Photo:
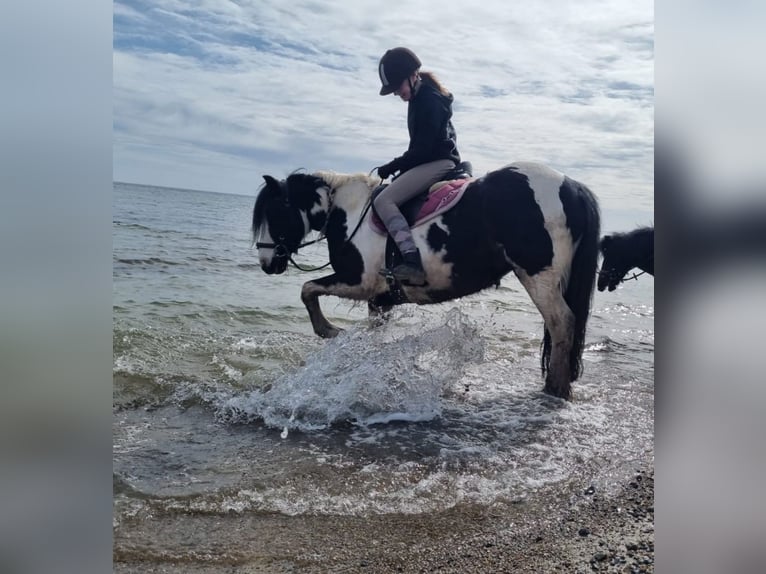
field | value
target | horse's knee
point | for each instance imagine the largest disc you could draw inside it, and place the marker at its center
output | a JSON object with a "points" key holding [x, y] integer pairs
{"points": [[308, 292]]}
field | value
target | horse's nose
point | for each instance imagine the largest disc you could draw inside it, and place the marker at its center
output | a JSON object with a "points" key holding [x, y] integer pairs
{"points": [[274, 266], [268, 268]]}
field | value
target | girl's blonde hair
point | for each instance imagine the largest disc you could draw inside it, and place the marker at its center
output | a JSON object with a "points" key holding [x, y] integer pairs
{"points": [[432, 78]]}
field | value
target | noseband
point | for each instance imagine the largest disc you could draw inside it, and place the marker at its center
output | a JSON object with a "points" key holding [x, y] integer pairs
{"points": [[281, 251]]}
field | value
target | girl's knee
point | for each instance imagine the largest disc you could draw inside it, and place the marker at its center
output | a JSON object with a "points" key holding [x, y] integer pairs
{"points": [[380, 201]]}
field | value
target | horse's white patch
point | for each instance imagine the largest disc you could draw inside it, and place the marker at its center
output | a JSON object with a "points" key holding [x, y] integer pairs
{"points": [[372, 248], [546, 183], [438, 272], [324, 201], [265, 254]]}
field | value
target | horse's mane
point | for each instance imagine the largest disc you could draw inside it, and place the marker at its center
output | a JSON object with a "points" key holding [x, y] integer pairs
{"points": [[274, 189], [637, 234], [647, 230], [259, 210], [335, 180]]}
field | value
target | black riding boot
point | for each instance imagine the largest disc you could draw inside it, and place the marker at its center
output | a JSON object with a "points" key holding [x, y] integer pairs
{"points": [[411, 271]]}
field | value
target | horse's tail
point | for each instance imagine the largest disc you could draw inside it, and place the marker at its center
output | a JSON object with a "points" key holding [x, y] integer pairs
{"points": [[582, 277], [585, 226]]}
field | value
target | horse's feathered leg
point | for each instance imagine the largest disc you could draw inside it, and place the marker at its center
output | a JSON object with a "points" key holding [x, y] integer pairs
{"points": [[545, 290], [381, 304], [377, 308], [310, 296]]}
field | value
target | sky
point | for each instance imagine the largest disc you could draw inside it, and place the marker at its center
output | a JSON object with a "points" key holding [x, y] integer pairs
{"points": [[213, 94]]}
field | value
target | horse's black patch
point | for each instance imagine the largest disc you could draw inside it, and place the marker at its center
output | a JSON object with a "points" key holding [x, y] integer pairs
{"points": [[344, 257], [436, 237], [515, 219], [577, 201], [302, 193]]}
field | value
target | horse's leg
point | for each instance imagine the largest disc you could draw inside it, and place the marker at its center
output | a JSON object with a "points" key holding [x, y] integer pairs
{"points": [[310, 296], [378, 306], [545, 291]]}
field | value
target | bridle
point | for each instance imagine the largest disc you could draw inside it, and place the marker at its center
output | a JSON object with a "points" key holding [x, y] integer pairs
{"points": [[634, 276], [281, 250]]}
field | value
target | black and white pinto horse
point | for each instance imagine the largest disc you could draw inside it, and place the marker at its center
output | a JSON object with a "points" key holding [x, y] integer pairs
{"points": [[623, 252], [525, 218]]}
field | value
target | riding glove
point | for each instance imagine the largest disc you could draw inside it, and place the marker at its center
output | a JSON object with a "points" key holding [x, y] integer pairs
{"points": [[384, 171]]}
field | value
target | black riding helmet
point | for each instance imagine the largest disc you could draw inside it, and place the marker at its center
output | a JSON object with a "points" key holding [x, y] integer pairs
{"points": [[396, 65]]}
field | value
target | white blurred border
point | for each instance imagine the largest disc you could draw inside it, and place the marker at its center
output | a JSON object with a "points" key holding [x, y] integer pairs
{"points": [[55, 286], [711, 248]]}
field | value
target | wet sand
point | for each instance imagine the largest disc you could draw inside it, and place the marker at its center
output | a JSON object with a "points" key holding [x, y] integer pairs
{"points": [[569, 528]]}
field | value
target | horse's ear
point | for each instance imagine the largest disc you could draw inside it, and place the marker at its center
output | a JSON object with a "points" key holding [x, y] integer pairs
{"points": [[605, 242], [270, 181]]}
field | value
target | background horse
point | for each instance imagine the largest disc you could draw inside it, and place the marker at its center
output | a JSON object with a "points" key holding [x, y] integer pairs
{"points": [[623, 252], [525, 218]]}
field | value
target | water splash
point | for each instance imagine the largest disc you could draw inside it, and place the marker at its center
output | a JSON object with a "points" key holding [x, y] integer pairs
{"points": [[368, 376]]}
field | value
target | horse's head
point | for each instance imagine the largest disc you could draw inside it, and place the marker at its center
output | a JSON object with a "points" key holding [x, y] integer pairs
{"points": [[614, 266], [284, 213]]}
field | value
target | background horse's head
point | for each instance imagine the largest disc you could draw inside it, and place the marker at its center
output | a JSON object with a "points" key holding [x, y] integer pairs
{"points": [[624, 251], [284, 213], [614, 266]]}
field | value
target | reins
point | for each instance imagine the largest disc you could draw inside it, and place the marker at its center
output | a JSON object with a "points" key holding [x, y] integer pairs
{"points": [[637, 275], [281, 251], [634, 276]]}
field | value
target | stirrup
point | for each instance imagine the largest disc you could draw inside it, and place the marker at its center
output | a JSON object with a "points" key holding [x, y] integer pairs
{"points": [[405, 272], [393, 280]]}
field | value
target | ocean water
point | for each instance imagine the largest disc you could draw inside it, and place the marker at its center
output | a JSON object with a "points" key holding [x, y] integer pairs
{"points": [[226, 402]]}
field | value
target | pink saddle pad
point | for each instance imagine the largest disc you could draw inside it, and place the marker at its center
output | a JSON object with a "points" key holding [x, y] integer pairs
{"points": [[442, 199]]}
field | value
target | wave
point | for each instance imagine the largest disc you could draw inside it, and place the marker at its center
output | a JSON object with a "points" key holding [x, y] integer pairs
{"points": [[147, 261]]}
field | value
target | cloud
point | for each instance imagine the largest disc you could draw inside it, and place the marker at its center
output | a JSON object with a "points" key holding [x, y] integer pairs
{"points": [[207, 94]]}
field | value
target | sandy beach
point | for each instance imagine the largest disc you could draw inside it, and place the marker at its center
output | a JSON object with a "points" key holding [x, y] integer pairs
{"points": [[562, 529]]}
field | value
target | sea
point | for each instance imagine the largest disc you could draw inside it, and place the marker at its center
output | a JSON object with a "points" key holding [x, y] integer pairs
{"points": [[224, 400]]}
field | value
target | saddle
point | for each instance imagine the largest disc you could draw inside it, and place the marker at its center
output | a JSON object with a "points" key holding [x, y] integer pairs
{"points": [[437, 199]]}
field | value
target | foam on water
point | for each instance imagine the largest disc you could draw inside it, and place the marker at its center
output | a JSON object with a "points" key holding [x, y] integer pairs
{"points": [[478, 428], [376, 375]]}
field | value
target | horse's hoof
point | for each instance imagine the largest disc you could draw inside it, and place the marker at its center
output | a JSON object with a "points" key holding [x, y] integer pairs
{"points": [[558, 391], [330, 333], [377, 320]]}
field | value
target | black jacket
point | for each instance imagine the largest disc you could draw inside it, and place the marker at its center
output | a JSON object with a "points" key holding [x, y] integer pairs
{"points": [[432, 135]]}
